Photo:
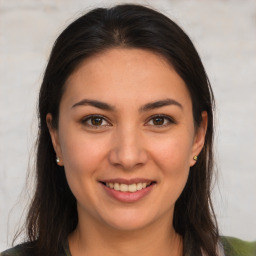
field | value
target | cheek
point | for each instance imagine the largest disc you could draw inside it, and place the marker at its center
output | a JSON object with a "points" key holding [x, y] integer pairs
{"points": [[173, 154], [81, 151], [173, 159], [81, 161], [175, 165], [82, 157]]}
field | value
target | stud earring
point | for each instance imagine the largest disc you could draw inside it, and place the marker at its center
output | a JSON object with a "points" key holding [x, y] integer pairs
{"points": [[57, 160], [195, 158]]}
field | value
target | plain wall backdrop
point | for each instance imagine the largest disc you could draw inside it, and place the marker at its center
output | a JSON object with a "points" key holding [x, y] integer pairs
{"points": [[224, 33]]}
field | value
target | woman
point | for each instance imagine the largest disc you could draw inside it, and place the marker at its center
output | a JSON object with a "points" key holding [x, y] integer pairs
{"points": [[124, 160]]}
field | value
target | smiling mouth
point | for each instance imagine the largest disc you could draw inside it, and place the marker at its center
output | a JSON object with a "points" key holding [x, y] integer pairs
{"points": [[128, 187]]}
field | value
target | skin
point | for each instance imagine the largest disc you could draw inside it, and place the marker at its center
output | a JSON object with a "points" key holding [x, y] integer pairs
{"points": [[128, 143]]}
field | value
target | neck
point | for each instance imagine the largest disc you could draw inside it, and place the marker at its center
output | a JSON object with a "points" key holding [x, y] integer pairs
{"points": [[156, 239]]}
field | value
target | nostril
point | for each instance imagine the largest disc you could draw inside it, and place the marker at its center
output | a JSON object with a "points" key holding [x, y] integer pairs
{"points": [[127, 159]]}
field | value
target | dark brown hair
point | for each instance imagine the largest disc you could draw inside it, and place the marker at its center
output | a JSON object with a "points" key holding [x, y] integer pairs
{"points": [[52, 214]]}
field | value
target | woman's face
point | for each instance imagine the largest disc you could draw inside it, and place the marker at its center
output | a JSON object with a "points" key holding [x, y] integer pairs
{"points": [[126, 138]]}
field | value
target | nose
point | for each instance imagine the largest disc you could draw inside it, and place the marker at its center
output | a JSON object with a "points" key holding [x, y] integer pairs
{"points": [[128, 150]]}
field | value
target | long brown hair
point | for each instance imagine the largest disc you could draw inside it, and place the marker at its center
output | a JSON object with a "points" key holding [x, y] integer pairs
{"points": [[52, 214]]}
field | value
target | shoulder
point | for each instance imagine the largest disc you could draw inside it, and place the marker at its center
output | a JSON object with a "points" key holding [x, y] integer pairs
{"points": [[236, 247], [25, 249], [28, 249]]}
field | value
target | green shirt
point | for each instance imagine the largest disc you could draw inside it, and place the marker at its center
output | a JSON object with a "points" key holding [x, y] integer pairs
{"points": [[236, 247], [232, 247]]}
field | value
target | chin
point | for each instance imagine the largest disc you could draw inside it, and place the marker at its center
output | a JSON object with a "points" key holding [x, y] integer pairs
{"points": [[129, 225], [128, 221]]}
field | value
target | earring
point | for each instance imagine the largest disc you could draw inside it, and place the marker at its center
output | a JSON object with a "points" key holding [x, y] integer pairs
{"points": [[195, 158], [57, 160]]}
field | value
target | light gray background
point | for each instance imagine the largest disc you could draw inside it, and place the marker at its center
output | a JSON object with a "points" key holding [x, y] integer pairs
{"points": [[224, 33]]}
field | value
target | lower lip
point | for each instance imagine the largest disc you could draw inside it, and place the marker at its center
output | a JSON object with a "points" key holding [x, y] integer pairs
{"points": [[128, 197]]}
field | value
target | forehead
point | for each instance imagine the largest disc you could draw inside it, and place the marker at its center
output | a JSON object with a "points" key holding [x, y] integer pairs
{"points": [[128, 74]]}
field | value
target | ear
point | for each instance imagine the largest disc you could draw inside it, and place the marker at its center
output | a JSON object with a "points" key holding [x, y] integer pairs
{"points": [[199, 138], [55, 138]]}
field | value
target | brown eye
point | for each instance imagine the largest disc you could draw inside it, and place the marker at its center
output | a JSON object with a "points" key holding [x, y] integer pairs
{"points": [[96, 120], [158, 120]]}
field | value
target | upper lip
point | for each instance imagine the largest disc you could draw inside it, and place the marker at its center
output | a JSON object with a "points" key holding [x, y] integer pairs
{"points": [[127, 181]]}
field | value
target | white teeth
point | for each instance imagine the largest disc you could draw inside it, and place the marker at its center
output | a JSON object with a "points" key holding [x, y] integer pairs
{"points": [[127, 188], [132, 188], [139, 186], [123, 187], [116, 186]]}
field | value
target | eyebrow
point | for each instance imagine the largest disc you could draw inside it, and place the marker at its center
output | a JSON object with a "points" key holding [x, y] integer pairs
{"points": [[144, 108], [95, 103], [159, 104]]}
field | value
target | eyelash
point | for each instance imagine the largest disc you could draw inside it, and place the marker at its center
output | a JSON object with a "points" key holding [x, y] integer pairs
{"points": [[165, 117], [104, 119], [89, 118]]}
